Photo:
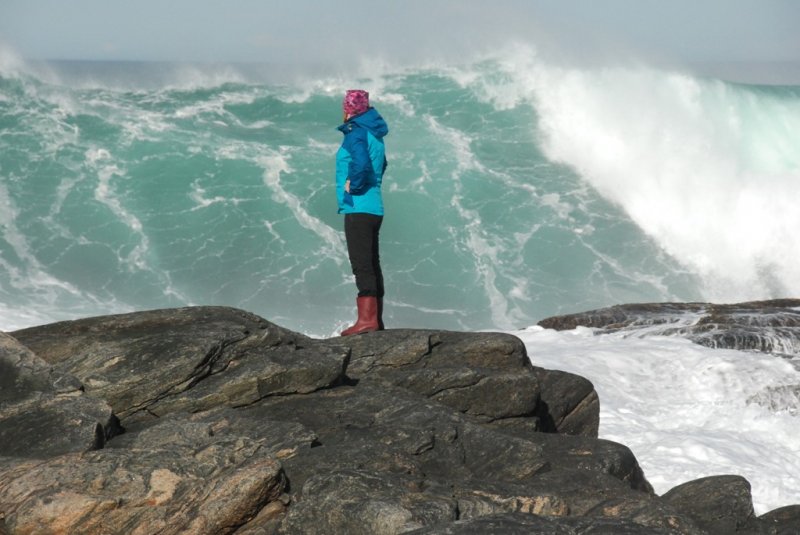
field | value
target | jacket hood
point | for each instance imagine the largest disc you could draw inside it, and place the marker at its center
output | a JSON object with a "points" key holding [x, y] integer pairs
{"points": [[371, 120]]}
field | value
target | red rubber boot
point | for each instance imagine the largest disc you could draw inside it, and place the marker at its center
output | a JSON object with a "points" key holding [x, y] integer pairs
{"points": [[367, 316]]}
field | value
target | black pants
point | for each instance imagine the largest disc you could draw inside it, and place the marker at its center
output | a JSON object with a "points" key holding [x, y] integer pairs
{"points": [[361, 232]]}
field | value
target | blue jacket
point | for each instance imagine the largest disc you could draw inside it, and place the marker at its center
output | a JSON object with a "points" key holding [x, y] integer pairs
{"points": [[362, 159]]}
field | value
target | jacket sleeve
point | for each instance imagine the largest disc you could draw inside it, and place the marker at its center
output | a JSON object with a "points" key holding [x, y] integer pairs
{"points": [[360, 171]]}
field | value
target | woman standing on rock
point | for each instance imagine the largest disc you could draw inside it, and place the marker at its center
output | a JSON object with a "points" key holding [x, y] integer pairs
{"points": [[360, 164]]}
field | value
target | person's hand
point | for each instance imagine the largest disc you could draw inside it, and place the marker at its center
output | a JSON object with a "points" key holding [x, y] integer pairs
{"points": [[347, 185]]}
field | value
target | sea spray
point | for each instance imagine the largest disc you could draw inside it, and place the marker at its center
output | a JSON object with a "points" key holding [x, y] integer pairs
{"points": [[687, 411], [706, 168]]}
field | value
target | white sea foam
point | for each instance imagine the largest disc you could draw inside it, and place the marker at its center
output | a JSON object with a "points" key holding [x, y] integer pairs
{"points": [[11, 64], [102, 163], [710, 170], [198, 195], [276, 163], [478, 242], [216, 106], [418, 184], [687, 411], [32, 276], [188, 77]]}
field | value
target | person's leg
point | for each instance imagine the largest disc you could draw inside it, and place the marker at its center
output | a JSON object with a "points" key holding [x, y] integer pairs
{"points": [[376, 256], [376, 269], [361, 236], [359, 233]]}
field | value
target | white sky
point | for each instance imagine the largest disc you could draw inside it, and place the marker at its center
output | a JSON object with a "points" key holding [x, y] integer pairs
{"points": [[322, 31]]}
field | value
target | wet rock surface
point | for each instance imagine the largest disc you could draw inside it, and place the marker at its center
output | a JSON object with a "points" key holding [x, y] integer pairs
{"points": [[212, 420], [44, 412], [770, 326]]}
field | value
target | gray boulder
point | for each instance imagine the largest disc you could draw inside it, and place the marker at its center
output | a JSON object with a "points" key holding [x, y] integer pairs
{"points": [[782, 521], [486, 375], [44, 412], [768, 326], [149, 364], [361, 502], [212, 487], [431, 453], [720, 505], [525, 524]]}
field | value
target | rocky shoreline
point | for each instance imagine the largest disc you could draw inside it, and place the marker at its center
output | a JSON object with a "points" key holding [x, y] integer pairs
{"points": [[212, 420]]}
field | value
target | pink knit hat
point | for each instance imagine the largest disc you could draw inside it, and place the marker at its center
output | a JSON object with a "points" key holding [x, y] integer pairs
{"points": [[355, 101]]}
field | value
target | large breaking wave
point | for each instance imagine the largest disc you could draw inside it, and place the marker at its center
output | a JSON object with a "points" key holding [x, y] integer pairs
{"points": [[517, 189]]}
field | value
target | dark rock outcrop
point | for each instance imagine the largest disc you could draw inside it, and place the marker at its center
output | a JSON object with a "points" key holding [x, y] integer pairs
{"points": [[718, 504], [44, 412], [235, 425], [782, 521], [486, 375], [150, 364], [211, 488], [769, 326]]}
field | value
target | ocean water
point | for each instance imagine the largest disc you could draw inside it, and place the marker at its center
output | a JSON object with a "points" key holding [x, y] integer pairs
{"points": [[687, 411], [517, 189]]}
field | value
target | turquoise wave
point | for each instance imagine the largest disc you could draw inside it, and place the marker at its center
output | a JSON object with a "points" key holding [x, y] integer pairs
{"points": [[513, 192]]}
